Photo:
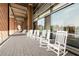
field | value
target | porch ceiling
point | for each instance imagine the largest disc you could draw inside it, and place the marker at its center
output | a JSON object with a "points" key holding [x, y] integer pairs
{"points": [[19, 10]]}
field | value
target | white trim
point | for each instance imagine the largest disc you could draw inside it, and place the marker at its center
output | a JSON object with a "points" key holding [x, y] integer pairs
{"points": [[73, 49], [38, 13]]}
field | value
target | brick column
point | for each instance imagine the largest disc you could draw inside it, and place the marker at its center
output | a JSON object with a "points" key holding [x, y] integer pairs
{"points": [[29, 16]]}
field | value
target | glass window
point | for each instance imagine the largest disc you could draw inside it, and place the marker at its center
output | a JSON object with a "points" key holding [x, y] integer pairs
{"points": [[40, 23], [67, 19]]}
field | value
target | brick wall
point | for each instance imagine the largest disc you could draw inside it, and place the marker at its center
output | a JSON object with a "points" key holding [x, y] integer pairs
{"points": [[3, 22]]}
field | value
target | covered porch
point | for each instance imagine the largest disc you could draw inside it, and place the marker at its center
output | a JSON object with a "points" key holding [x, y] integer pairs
{"points": [[21, 45]]}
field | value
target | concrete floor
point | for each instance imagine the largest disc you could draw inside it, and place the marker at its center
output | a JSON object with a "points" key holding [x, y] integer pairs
{"points": [[20, 45]]}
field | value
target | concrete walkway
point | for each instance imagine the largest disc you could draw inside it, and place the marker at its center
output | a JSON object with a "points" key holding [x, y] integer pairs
{"points": [[20, 45]]}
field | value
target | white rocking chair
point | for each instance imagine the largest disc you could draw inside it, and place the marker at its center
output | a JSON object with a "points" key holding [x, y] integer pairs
{"points": [[59, 47], [29, 33], [44, 40], [24, 31], [37, 34], [34, 34]]}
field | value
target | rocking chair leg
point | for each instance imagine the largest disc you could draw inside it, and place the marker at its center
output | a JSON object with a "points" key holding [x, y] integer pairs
{"points": [[65, 53], [58, 53], [48, 48], [40, 44]]}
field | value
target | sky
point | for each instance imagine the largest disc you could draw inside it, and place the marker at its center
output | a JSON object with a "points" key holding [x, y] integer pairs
{"points": [[66, 16]]}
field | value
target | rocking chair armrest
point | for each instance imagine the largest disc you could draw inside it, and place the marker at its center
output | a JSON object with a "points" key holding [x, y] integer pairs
{"points": [[41, 38], [49, 40], [58, 43], [59, 46]]}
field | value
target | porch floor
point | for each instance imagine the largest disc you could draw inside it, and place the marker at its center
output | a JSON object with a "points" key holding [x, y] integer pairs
{"points": [[20, 45]]}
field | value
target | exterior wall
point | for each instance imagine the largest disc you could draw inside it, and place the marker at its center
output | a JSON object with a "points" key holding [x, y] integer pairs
{"points": [[3, 22], [47, 22], [35, 26], [12, 26]]}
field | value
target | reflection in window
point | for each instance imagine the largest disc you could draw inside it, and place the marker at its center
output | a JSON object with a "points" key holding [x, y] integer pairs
{"points": [[67, 19], [41, 23]]}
